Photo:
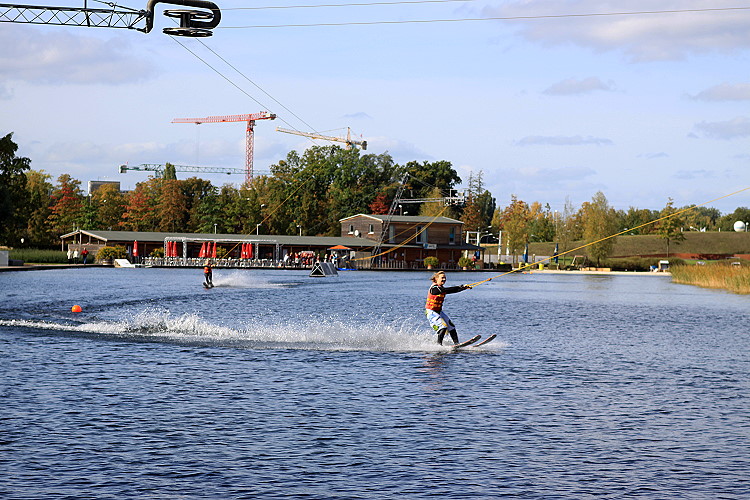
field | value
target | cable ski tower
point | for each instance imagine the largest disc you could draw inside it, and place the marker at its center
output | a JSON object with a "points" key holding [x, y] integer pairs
{"points": [[193, 23]]}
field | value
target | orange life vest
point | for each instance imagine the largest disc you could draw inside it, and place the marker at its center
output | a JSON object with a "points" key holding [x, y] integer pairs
{"points": [[206, 270], [435, 302]]}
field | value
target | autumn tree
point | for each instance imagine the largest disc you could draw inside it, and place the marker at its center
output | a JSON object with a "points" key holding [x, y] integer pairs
{"points": [[380, 205], [514, 223], [109, 204], [171, 206], [140, 207], [67, 204]]}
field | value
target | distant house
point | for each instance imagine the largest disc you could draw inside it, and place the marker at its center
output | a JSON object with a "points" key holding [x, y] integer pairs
{"points": [[410, 238]]}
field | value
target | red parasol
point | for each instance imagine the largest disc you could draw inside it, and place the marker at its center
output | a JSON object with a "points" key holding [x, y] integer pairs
{"points": [[135, 248]]}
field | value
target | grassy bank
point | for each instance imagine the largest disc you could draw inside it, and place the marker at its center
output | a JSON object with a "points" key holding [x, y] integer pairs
{"points": [[725, 276], [695, 242]]}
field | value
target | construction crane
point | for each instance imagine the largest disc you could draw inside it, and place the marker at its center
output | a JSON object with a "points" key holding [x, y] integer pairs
{"points": [[158, 169], [348, 139], [193, 23], [249, 139]]}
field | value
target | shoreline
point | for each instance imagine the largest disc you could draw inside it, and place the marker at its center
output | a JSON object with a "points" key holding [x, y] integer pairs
{"points": [[42, 267]]}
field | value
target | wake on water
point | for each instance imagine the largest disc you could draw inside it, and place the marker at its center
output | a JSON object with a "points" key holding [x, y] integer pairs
{"points": [[243, 279], [329, 334]]}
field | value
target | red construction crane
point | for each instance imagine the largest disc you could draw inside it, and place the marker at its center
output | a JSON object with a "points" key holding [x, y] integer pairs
{"points": [[249, 141]]}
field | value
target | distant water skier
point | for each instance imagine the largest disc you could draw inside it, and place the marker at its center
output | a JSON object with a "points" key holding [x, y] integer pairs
{"points": [[208, 275], [440, 321]]}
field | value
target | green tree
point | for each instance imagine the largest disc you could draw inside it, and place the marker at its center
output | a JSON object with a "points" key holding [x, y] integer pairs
{"points": [[38, 230], [14, 197], [170, 173], [195, 190], [541, 222], [480, 205], [726, 223], [670, 228], [566, 226], [425, 176], [634, 218], [599, 221], [700, 218]]}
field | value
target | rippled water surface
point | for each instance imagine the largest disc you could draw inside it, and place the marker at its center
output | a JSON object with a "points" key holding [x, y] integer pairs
{"points": [[277, 385]]}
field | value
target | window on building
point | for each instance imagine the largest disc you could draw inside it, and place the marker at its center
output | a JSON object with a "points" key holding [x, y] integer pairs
{"points": [[452, 236], [372, 228], [391, 234], [351, 229], [421, 234]]}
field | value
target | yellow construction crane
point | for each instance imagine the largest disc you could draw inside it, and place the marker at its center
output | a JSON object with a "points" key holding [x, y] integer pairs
{"points": [[348, 139]]}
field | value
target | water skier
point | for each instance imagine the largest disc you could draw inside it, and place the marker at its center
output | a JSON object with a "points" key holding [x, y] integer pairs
{"points": [[208, 275], [440, 321]]}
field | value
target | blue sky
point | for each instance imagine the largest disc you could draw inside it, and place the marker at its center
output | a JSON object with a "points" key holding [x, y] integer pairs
{"points": [[641, 107]]}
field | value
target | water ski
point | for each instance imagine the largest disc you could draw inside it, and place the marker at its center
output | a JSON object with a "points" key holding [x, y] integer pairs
{"points": [[467, 342], [485, 341], [208, 285]]}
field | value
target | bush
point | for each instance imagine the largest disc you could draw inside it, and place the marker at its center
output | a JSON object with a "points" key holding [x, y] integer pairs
{"points": [[465, 262], [431, 261], [39, 256], [111, 253], [157, 253]]}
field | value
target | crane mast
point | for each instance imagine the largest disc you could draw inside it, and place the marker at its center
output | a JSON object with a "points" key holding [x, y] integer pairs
{"points": [[249, 139], [348, 139]]}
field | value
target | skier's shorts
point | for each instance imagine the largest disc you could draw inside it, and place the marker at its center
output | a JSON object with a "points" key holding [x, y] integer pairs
{"points": [[439, 320]]}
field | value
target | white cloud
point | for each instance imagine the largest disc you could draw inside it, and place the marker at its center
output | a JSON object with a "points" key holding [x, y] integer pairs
{"points": [[654, 156], [54, 57], [559, 140], [643, 37], [730, 129], [401, 151], [695, 174], [725, 92], [360, 115], [571, 86]]}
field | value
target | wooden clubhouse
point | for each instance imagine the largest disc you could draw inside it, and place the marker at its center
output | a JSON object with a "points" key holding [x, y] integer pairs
{"points": [[408, 240]]}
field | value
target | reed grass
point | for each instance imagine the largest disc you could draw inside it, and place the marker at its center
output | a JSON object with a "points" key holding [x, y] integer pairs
{"points": [[38, 256], [735, 278]]}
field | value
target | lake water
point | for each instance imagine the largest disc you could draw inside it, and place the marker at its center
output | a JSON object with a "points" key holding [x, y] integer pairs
{"points": [[277, 385]]}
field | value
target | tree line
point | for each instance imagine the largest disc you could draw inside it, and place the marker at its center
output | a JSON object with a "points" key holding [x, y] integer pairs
{"points": [[308, 194]]}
